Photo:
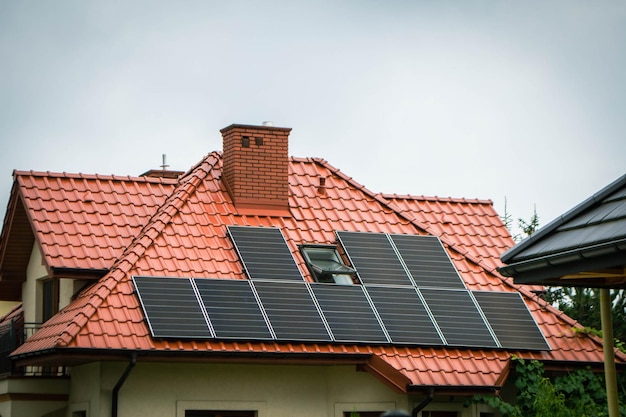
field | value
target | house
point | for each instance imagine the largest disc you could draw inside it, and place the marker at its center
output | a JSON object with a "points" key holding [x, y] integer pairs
{"points": [[258, 284]]}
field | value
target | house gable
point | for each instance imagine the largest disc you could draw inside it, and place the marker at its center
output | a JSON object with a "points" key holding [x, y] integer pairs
{"points": [[16, 243]]}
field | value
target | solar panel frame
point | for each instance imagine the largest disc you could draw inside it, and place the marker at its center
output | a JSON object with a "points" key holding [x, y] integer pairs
{"points": [[264, 253], [171, 308], [233, 309], [460, 327], [427, 261], [511, 320], [349, 313], [374, 257], [405, 317], [292, 311]]}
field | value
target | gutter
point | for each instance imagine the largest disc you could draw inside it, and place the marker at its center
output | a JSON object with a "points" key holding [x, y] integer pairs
{"points": [[555, 265], [120, 382]]}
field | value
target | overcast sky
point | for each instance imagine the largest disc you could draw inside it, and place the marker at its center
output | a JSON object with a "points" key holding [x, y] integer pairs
{"points": [[477, 99]]}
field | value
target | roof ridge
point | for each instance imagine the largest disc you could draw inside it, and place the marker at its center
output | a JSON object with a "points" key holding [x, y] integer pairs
{"points": [[141, 242], [440, 199], [80, 175]]}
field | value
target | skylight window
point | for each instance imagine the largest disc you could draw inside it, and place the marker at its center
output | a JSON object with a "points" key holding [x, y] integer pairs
{"points": [[326, 265]]}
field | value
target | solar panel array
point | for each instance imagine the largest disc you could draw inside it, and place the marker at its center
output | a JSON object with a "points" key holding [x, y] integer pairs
{"points": [[411, 294]]}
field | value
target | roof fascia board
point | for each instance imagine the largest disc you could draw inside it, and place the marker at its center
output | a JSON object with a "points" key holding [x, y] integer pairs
{"points": [[386, 373], [538, 270], [75, 356], [16, 203], [567, 216], [8, 221]]}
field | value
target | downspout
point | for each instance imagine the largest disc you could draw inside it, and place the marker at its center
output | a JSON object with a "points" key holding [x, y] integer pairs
{"points": [[423, 404], [118, 386]]}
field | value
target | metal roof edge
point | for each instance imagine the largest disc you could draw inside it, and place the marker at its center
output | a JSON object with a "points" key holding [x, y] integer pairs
{"points": [[566, 261], [596, 198]]}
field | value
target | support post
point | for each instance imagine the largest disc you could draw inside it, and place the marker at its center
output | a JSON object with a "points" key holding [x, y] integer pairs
{"points": [[609, 354]]}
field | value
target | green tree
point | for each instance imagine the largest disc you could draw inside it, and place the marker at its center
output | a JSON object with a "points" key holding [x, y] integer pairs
{"points": [[583, 304], [529, 227], [579, 393]]}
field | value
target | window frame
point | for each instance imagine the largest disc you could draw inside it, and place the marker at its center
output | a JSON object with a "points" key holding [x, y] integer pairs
{"points": [[359, 407], [50, 292], [325, 275], [256, 407]]}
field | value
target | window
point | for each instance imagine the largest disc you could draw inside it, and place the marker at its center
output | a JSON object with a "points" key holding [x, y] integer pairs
{"points": [[50, 299], [213, 413], [326, 265]]}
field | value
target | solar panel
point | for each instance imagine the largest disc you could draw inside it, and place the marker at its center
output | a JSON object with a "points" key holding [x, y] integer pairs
{"points": [[374, 258], [458, 318], [264, 253], [232, 309], [427, 261], [291, 311], [403, 315], [171, 308], [510, 320], [348, 313]]}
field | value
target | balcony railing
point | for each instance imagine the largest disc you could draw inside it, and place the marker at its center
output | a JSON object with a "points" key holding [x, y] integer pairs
{"points": [[12, 335]]}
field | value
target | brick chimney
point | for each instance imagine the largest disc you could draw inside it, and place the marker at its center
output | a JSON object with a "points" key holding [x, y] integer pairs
{"points": [[256, 168]]}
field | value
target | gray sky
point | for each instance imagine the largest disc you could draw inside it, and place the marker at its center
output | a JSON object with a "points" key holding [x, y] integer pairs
{"points": [[476, 99]]}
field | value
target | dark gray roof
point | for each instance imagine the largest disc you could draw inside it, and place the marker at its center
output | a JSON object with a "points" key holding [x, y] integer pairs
{"points": [[590, 236]]}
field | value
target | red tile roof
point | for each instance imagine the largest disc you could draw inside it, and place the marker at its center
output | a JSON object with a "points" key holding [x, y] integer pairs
{"points": [[141, 226], [86, 221]]}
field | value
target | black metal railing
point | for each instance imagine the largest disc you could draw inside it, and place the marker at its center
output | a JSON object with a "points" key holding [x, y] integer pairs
{"points": [[12, 335]]}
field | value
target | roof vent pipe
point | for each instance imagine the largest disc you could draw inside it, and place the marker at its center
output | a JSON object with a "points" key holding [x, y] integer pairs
{"points": [[322, 187], [268, 123]]}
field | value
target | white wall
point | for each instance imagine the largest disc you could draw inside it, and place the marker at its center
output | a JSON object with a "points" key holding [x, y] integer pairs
{"points": [[166, 390], [31, 296]]}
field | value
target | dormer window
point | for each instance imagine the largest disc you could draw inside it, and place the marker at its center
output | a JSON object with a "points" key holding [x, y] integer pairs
{"points": [[326, 265]]}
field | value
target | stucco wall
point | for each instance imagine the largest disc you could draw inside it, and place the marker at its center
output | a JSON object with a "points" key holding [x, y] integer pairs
{"points": [[31, 298], [166, 390]]}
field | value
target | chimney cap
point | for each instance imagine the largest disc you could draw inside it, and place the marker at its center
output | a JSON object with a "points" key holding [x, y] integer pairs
{"points": [[268, 123], [243, 126]]}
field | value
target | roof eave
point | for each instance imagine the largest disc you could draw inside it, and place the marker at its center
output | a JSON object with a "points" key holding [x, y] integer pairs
{"points": [[77, 356], [564, 268]]}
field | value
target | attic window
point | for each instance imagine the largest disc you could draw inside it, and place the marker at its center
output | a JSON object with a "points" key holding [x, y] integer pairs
{"points": [[326, 265]]}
